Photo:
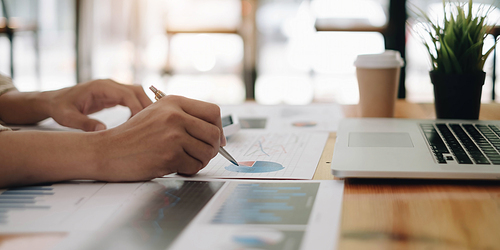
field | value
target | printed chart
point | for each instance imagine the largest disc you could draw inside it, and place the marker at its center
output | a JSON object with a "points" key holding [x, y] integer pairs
{"points": [[298, 118], [269, 155], [158, 220], [24, 198], [267, 215], [268, 203], [267, 238], [82, 206], [255, 167], [178, 213]]}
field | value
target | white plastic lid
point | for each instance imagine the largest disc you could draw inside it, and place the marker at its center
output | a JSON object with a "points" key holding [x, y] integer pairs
{"points": [[388, 59]]}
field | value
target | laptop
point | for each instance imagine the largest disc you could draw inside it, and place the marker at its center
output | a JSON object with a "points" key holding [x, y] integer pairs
{"points": [[404, 148]]}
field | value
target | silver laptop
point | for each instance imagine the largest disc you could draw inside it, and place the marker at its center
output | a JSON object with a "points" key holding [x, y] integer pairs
{"points": [[403, 148]]}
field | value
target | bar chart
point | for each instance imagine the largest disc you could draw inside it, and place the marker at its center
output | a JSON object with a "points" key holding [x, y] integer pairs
{"points": [[161, 218], [61, 207], [268, 203], [23, 198], [266, 215]]}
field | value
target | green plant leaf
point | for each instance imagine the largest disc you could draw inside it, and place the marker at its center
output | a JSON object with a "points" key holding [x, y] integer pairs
{"points": [[448, 68], [485, 56], [471, 57], [456, 45]]}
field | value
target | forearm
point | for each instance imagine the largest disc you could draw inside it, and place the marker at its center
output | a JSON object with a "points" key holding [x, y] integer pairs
{"points": [[24, 107], [37, 157]]}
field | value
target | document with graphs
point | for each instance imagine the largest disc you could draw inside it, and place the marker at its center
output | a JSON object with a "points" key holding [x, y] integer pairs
{"points": [[179, 213], [269, 155]]}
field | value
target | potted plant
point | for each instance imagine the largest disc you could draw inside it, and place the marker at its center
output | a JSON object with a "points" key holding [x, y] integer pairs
{"points": [[455, 46]]}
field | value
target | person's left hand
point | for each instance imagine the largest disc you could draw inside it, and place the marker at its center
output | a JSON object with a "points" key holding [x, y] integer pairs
{"points": [[70, 106]]}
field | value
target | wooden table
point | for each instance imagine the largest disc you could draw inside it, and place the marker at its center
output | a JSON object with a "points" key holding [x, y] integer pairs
{"points": [[391, 214], [417, 214]]}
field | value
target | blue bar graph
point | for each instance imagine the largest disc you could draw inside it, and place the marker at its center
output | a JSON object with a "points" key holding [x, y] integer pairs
{"points": [[20, 192], [15, 197], [22, 206], [3, 216], [268, 203], [22, 198], [42, 188], [17, 202]]}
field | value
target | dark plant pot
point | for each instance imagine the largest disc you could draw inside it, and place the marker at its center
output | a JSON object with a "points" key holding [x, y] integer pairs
{"points": [[457, 96]]}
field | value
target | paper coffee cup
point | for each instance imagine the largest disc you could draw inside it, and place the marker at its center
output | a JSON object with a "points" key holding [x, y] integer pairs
{"points": [[378, 78]]}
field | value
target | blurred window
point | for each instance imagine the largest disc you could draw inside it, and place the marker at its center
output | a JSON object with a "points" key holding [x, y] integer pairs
{"points": [[53, 23]]}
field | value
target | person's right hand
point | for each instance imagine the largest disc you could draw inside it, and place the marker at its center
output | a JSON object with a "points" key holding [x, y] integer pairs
{"points": [[174, 135]]}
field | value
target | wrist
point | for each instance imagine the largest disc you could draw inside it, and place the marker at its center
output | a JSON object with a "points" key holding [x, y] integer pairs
{"points": [[53, 157], [24, 107], [95, 154], [43, 103]]}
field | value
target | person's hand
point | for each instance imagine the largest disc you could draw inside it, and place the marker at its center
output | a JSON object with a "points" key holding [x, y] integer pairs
{"points": [[174, 135], [70, 106]]}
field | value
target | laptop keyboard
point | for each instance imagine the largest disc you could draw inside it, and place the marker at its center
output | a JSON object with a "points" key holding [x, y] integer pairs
{"points": [[463, 143]]}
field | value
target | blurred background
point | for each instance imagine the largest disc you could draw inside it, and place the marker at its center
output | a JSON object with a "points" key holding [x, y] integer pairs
{"points": [[222, 51]]}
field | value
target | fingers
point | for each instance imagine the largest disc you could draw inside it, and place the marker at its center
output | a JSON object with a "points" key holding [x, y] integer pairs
{"points": [[205, 111], [184, 153], [190, 166], [199, 151], [129, 99], [203, 131], [199, 139], [223, 140], [108, 93], [135, 98], [74, 119], [141, 95]]}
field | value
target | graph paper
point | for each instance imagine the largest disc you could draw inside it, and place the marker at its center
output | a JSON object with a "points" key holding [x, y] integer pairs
{"points": [[269, 155]]}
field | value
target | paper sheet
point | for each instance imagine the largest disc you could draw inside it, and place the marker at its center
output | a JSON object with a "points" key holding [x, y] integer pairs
{"points": [[300, 118], [269, 155], [268, 215], [72, 206], [221, 214]]}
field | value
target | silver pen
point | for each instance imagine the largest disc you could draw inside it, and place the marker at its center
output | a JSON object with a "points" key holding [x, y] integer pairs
{"points": [[159, 94]]}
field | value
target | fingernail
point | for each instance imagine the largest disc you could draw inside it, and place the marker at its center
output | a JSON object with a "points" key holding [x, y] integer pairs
{"points": [[223, 141], [100, 127]]}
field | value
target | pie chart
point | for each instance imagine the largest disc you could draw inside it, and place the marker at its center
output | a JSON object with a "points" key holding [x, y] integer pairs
{"points": [[255, 167], [259, 238]]}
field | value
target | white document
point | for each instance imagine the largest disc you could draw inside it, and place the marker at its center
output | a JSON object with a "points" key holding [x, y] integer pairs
{"points": [[268, 215], [179, 213], [71, 206], [296, 118], [269, 155]]}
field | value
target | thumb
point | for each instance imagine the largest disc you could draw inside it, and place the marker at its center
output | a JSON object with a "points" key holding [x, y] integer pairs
{"points": [[80, 121]]}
